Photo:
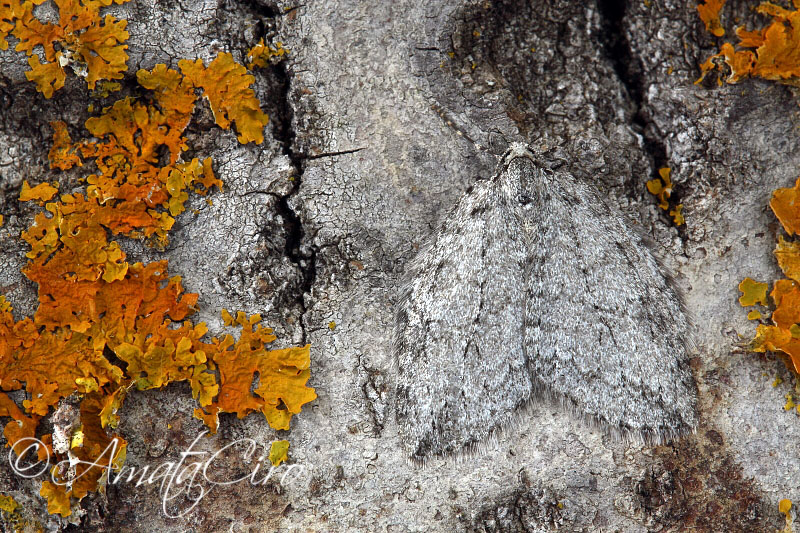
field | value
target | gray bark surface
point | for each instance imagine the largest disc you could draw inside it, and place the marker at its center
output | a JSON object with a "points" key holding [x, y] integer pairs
{"points": [[359, 165]]}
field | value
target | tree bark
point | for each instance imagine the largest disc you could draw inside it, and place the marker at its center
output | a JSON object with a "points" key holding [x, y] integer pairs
{"points": [[382, 115]]}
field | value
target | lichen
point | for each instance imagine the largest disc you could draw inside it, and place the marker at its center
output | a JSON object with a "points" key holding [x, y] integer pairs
{"points": [[262, 55], [785, 508], [11, 512], [753, 292], [661, 188], [771, 53], [783, 335], [94, 303], [7, 503], [279, 452], [226, 86], [94, 47], [709, 14]]}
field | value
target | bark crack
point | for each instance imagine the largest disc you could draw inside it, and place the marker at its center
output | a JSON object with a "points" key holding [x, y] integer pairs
{"points": [[303, 255], [630, 72]]}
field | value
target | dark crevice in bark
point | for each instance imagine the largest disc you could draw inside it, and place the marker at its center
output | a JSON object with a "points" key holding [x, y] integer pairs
{"points": [[331, 154], [630, 72], [628, 69], [267, 10], [304, 257]]}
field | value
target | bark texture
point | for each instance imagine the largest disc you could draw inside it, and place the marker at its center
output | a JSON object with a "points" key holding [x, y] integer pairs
{"points": [[358, 166]]}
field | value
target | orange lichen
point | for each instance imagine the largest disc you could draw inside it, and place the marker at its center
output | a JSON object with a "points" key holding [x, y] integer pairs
{"points": [[43, 192], [48, 77], [784, 335], [785, 203], [774, 339], [709, 14], [10, 12], [771, 53], [93, 453], [133, 192], [93, 303], [226, 85], [662, 188], [786, 295], [22, 426], [92, 46], [57, 498], [173, 93], [62, 154], [788, 255], [785, 507], [282, 375]]}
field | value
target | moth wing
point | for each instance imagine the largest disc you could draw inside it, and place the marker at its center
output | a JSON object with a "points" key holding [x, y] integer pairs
{"points": [[605, 328], [459, 331]]}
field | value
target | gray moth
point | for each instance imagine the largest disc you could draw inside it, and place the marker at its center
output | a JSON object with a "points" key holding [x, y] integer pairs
{"points": [[535, 286]]}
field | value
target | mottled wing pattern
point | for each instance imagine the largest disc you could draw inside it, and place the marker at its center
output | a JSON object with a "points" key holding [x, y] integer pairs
{"points": [[534, 282], [604, 328], [459, 334]]}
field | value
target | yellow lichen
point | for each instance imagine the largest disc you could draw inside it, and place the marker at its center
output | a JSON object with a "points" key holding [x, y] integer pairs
{"points": [[279, 452], [754, 315], [677, 215], [7, 503], [789, 402], [753, 292], [785, 507], [262, 55]]}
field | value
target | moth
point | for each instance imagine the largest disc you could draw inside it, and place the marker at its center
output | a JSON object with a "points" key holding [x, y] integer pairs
{"points": [[535, 286]]}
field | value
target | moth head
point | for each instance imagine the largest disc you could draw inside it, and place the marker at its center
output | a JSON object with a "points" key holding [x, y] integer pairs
{"points": [[526, 175]]}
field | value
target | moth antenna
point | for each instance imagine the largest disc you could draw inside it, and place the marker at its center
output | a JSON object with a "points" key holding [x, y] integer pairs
{"points": [[451, 122]]}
